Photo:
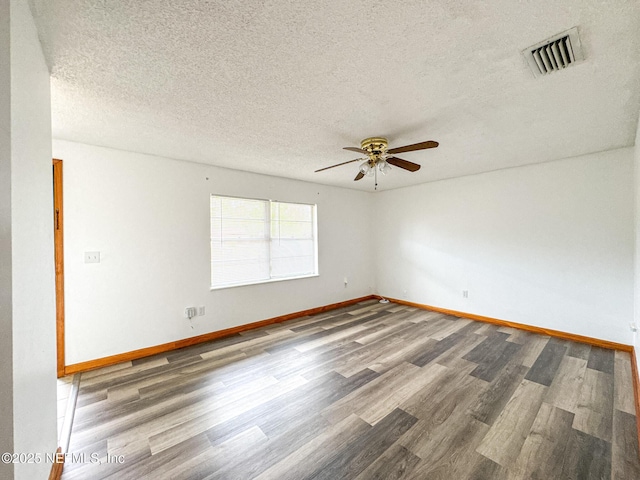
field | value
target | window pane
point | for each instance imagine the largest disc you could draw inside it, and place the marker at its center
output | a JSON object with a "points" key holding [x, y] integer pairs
{"points": [[292, 242], [239, 241], [292, 258], [233, 273]]}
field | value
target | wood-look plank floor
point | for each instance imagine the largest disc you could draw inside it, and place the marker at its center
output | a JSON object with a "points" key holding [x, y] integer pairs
{"points": [[372, 391]]}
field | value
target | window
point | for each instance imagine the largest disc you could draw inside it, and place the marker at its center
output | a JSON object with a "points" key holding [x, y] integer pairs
{"points": [[254, 241]]}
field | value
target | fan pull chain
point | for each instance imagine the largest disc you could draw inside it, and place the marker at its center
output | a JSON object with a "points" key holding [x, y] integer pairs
{"points": [[375, 172]]}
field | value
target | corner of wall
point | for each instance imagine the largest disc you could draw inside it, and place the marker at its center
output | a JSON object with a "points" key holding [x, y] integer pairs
{"points": [[6, 319], [636, 218], [33, 354]]}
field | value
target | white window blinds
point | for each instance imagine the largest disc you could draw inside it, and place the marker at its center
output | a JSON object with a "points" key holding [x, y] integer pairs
{"points": [[255, 241]]}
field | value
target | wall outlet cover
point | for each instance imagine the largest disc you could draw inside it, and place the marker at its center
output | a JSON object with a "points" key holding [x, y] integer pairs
{"points": [[91, 257]]}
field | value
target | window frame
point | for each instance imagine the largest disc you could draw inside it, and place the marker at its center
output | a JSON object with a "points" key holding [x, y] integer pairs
{"points": [[268, 227]]}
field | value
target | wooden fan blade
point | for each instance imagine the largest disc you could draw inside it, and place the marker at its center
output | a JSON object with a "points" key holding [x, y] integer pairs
{"points": [[415, 146], [355, 149], [398, 162], [337, 165], [359, 176]]}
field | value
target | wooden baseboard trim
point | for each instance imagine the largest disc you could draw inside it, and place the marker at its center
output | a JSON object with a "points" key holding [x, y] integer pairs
{"points": [[57, 467], [521, 326], [207, 337], [636, 389]]}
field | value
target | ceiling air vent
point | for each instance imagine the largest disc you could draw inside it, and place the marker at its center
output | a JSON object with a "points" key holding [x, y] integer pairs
{"points": [[555, 53]]}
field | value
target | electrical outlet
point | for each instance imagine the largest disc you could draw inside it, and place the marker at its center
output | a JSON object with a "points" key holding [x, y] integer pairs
{"points": [[200, 311], [465, 293], [633, 327], [190, 312], [91, 257]]}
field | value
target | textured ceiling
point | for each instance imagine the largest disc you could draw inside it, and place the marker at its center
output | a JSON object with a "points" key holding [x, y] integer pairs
{"points": [[278, 87]]}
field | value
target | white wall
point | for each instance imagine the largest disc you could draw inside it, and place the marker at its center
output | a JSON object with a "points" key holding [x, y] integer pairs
{"points": [[33, 304], [549, 245], [149, 218]]}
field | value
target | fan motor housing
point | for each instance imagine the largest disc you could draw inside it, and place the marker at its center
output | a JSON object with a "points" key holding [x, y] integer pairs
{"points": [[374, 145]]}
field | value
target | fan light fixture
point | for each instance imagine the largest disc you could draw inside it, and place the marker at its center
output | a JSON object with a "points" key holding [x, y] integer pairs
{"points": [[383, 166], [366, 169]]}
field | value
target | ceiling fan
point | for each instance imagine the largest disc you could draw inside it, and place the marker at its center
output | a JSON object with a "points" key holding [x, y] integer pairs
{"points": [[379, 157]]}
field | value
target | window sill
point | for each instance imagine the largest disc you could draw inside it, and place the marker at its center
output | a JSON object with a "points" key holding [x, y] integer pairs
{"points": [[271, 280]]}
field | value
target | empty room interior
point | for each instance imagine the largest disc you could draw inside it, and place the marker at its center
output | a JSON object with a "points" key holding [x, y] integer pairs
{"points": [[295, 240]]}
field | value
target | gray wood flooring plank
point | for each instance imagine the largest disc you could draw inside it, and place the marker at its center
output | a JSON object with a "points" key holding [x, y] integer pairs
{"points": [[542, 453], [450, 391], [391, 329], [351, 461], [586, 457], [131, 378], [104, 377], [485, 469], [443, 345], [579, 350], [451, 450], [453, 356], [315, 322], [564, 391], [490, 403], [531, 350], [382, 395], [303, 339], [313, 455], [455, 325], [211, 459], [491, 366], [318, 362], [156, 415], [74, 469], [185, 425], [279, 415], [153, 464], [118, 367], [624, 458], [594, 412], [382, 354], [278, 448], [544, 369], [623, 385], [393, 464], [508, 433], [601, 359], [445, 437], [491, 346]]}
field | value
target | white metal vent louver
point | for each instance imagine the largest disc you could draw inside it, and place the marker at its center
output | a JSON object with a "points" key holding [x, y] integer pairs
{"points": [[555, 53]]}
